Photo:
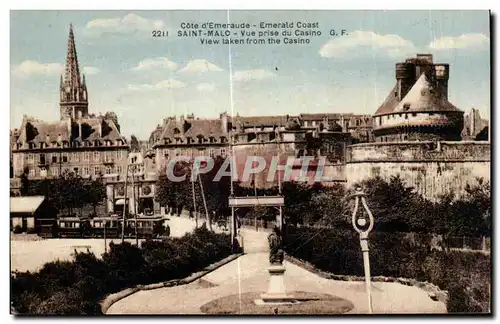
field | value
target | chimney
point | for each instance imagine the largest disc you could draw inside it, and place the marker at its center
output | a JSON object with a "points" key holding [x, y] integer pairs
{"points": [[100, 128]]}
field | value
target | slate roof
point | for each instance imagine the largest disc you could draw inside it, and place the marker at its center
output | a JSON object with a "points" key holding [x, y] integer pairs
{"points": [[192, 128], [259, 121], [389, 103], [28, 204], [420, 98], [47, 132]]}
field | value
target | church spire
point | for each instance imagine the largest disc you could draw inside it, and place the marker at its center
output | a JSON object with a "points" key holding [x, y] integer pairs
{"points": [[73, 92], [72, 71]]}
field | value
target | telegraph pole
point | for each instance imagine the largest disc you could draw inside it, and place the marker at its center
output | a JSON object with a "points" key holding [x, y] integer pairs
{"points": [[125, 202], [134, 210]]}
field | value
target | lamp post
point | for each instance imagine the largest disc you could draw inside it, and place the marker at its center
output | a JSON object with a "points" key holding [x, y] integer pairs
{"points": [[363, 227]]}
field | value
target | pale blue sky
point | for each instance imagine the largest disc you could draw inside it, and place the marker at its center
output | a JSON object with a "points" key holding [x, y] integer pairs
{"points": [[145, 79]]}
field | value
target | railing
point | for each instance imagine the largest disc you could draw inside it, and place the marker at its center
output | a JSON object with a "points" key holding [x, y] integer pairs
{"points": [[437, 242], [256, 223], [464, 243]]}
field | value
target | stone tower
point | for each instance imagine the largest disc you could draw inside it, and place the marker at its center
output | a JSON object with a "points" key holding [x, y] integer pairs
{"points": [[417, 108], [73, 90]]}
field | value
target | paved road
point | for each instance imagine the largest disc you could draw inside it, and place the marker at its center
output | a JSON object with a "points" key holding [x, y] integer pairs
{"points": [[248, 273]]}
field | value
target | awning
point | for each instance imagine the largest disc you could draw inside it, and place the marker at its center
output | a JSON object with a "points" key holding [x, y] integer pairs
{"points": [[120, 201], [25, 204]]}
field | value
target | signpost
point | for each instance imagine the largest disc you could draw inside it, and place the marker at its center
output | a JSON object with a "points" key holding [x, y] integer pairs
{"points": [[363, 227]]}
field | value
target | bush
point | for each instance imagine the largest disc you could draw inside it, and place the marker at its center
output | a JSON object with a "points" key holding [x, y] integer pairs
{"points": [[77, 287], [18, 229], [466, 276]]}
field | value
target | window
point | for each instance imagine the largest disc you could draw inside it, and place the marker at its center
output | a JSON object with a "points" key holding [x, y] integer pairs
{"points": [[86, 171], [97, 170], [30, 158], [406, 116], [222, 151], [76, 157], [96, 156], [32, 172], [65, 158], [414, 114], [119, 155], [86, 156], [108, 157], [358, 122], [211, 152], [108, 169], [75, 170], [55, 172], [380, 121], [42, 159], [119, 169], [54, 159]]}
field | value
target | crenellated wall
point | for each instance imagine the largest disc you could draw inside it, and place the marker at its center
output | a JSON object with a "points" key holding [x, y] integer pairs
{"points": [[432, 168]]}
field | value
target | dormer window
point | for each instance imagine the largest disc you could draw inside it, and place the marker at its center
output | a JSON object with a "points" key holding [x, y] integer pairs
{"points": [[177, 131], [406, 106]]}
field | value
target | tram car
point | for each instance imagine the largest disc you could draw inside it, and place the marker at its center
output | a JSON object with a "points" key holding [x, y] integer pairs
{"points": [[145, 226], [111, 226], [70, 227]]}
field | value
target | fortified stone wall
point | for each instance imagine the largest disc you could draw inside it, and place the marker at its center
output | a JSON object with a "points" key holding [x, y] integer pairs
{"points": [[432, 168], [334, 172]]}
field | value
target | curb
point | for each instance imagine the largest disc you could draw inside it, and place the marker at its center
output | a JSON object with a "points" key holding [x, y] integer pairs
{"points": [[434, 292], [113, 298]]}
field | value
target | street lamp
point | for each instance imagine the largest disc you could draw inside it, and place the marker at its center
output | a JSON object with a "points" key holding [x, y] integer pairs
{"points": [[363, 227]]}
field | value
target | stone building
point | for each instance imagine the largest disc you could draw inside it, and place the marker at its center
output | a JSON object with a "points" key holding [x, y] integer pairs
{"points": [[418, 135], [267, 136], [190, 136], [417, 108], [359, 126], [475, 127], [86, 144]]}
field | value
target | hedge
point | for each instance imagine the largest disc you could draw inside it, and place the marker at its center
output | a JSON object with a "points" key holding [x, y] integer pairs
{"points": [[466, 276], [77, 287]]}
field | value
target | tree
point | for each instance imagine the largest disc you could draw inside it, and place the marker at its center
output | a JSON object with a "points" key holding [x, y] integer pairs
{"points": [[96, 193], [396, 206], [25, 183], [173, 193]]}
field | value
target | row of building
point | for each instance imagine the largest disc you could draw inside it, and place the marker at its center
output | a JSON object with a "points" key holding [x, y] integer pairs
{"points": [[89, 145]]}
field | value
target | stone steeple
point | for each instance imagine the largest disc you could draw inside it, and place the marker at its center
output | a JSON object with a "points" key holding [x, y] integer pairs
{"points": [[73, 91]]}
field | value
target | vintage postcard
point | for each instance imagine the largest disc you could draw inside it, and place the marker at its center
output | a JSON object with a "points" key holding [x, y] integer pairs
{"points": [[235, 162]]}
